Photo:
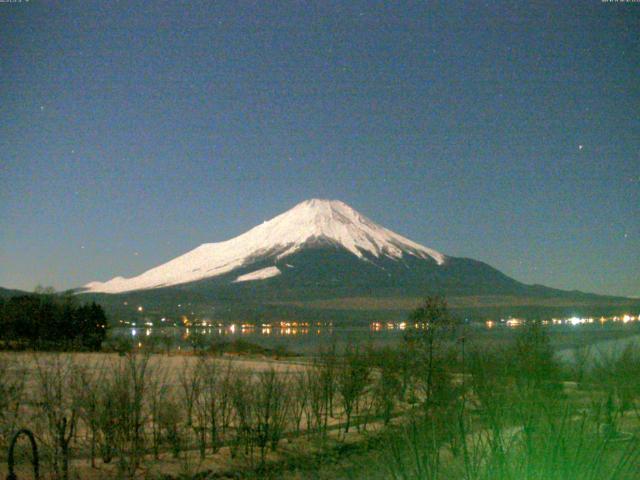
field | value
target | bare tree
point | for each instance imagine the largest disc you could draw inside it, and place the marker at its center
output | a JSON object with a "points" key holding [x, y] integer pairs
{"points": [[88, 397], [328, 361], [225, 401], [170, 421], [434, 324], [158, 392], [299, 388], [387, 387], [317, 409], [12, 382], [56, 385], [352, 379], [124, 415], [242, 399], [211, 402], [270, 407], [190, 387]]}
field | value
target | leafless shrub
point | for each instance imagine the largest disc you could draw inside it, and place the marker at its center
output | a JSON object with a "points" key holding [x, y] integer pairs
{"points": [[387, 384], [55, 399], [427, 343], [225, 400], [88, 397], [328, 362], [190, 389], [212, 403], [123, 413], [170, 420], [352, 380], [158, 391], [320, 382], [242, 400], [317, 409], [271, 408], [12, 383], [299, 390]]}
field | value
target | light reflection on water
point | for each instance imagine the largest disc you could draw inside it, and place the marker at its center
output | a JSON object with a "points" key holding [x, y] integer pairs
{"points": [[298, 338], [281, 329], [307, 336], [262, 331], [295, 336], [320, 329]]}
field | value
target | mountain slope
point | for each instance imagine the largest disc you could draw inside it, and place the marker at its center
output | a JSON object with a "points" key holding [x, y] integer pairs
{"points": [[320, 251], [7, 292], [310, 223]]}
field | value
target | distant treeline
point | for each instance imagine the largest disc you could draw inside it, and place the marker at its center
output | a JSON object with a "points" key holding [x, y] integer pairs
{"points": [[49, 321]]}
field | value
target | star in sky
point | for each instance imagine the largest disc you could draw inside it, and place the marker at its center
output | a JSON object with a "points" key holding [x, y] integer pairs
{"points": [[392, 101]]}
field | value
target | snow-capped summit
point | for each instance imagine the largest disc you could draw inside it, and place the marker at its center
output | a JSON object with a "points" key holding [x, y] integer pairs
{"points": [[312, 222]]}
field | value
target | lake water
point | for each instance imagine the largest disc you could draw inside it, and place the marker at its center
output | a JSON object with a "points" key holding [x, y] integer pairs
{"points": [[305, 337], [298, 338]]}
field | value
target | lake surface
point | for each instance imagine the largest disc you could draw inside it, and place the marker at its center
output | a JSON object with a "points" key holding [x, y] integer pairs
{"points": [[301, 339], [306, 338]]}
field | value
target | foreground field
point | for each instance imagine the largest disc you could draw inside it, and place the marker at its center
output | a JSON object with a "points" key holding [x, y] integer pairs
{"points": [[435, 407], [122, 416]]}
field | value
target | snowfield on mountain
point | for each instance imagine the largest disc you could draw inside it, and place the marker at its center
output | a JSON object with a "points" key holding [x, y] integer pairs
{"points": [[313, 222]]}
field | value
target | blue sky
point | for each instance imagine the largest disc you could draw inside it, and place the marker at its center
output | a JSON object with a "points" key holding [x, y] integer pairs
{"points": [[134, 131]]}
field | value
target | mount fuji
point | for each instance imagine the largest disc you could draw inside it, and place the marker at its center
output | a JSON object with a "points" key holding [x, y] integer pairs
{"points": [[311, 224], [321, 251]]}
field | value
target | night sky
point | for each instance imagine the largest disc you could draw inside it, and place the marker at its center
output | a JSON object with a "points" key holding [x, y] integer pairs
{"points": [[508, 132]]}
